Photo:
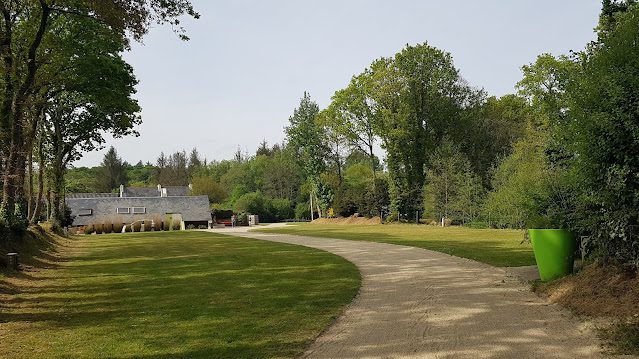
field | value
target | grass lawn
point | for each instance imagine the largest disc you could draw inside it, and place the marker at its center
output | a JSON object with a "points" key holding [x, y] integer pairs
{"points": [[497, 247], [175, 295]]}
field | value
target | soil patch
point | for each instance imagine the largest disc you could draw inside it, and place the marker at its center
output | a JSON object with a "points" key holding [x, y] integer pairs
{"points": [[607, 293], [596, 290]]}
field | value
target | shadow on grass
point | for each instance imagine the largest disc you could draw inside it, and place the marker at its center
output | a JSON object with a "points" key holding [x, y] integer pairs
{"points": [[180, 295]]}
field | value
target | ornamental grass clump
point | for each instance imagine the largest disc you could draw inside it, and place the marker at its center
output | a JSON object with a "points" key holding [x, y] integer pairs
{"points": [[177, 224], [117, 227]]}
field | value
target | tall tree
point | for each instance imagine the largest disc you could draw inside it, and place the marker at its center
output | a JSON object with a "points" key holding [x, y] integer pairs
{"points": [[305, 136], [602, 136], [112, 172], [352, 114], [419, 97], [25, 27]]}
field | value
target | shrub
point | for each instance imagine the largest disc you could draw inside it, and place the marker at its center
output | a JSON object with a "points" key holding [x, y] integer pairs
{"points": [[242, 219], [117, 227], [107, 228], [302, 211], [177, 224], [255, 203], [157, 223], [282, 209], [190, 226], [98, 228], [127, 228], [166, 225], [90, 229]]}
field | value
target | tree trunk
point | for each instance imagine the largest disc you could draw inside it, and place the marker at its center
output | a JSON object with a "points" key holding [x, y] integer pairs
{"points": [[372, 159], [30, 185], [38, 201], [57, 189]]}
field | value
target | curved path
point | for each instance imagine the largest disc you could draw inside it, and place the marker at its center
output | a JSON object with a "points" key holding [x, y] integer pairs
{"points": [[416, 303]]}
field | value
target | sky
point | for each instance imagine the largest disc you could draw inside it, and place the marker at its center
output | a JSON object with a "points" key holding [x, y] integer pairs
{"points": [[248, 63]]}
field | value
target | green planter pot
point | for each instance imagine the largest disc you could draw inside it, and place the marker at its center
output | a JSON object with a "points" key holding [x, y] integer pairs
{"points": [[554, 252]]}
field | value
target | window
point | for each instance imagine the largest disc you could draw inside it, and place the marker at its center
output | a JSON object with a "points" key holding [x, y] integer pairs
{"points": [[85, 212], [123, 210], [139, 210]]}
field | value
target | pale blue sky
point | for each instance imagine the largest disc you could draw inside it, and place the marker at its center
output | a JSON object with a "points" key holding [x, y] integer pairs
{"points": [[249, 61]]}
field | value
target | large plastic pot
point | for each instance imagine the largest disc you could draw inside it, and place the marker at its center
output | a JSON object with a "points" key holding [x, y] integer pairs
{"points": [[554, 252]]}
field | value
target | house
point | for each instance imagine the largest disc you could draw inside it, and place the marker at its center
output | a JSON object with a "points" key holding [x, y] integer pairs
{"points": [[139, 204]]}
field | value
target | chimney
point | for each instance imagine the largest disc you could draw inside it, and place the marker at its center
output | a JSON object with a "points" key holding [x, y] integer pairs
{"points": [[121, 191]]}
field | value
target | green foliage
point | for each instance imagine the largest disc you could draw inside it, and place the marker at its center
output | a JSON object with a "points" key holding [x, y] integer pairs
{"points": [[282, 208], [242, 219], [19, 221], [520, 186], [453, 191], [254, 203], [173, 170], [111, 173], [602, 137], [4, 222], [491, 131], [302, 210], [81, 180], [307, 139], [420, 98], [204, 185], [268, 209]]}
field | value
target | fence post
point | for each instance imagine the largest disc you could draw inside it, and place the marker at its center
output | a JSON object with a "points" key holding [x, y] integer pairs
{"points": [[13, 261]]}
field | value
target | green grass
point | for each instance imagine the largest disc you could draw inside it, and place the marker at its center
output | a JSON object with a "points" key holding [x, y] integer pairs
{"points": [[176, 295], [497, 247]]}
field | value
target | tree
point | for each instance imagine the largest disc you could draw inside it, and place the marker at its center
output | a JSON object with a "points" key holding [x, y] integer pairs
{"points": [[26, 27], [335, 141], [263, 150], [282, 177], [602, 136], [112, 172], [419, 98], [453, 189], [90, 96], [204, 185], [195, 164], [174, 169], [492, 129], [352, 114], [305, 136], [521, 184]]}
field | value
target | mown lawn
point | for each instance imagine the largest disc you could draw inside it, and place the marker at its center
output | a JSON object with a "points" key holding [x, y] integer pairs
{"points": [[176, 295], [497, 247]]}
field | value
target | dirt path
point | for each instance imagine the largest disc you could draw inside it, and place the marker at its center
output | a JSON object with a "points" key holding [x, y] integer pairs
{"points": [[416, 303]]}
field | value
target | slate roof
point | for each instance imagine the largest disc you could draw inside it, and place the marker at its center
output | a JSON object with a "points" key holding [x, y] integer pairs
{"points": [[177, 190], [141, 192], [91, 195], [104, 209]]}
